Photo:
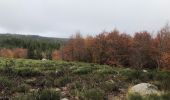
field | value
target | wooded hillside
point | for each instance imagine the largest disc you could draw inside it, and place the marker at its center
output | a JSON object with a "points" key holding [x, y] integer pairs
{"points": [[28, 46]]}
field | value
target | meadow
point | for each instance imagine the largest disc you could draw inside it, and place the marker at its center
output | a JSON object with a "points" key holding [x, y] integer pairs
{"points": [[26, 79]]}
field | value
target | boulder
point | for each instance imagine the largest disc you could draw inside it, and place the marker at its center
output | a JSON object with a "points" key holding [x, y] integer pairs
{"points": [[44, 59], [144, 89], [145, 71], [64, 99]]}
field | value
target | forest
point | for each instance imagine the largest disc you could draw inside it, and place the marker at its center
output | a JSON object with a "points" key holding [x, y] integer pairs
{"points": [[31, 47], [143, 50]]}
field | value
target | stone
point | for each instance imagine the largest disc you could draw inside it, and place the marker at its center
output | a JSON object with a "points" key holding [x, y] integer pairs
{"points": [[64, 99], [145, 71], [144, 89], [57, 90], [44, 59]]}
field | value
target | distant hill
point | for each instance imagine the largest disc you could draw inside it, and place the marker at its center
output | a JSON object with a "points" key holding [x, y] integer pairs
{"points": [[32, 37]]}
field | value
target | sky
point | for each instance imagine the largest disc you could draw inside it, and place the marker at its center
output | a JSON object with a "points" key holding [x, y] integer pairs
{"points": [[62, 18]]}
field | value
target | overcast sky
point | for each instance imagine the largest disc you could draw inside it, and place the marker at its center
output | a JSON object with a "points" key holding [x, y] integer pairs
{"points": [[61, 18]]}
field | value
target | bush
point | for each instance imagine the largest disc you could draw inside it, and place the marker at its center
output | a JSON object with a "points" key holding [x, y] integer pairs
{"points": [[166, 96], [82, 70], [45, 82], [161, 75], [92, 94], [136, 76], [152, 97], [134, 97], [41, 95], [62, 81], [46, 95], [110, 86], [5, 83], [106, 71], [27, 72], [165, 84], [23, 88]]}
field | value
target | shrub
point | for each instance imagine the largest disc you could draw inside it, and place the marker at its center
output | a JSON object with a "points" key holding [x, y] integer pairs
{"points": [[62, 81], [5, 83], [27, 72], [82, 70], [45, 82], [166, 96], [110, 86], [161, 75], [134, 97], [152, 97], [165, 84], [106, 71], [23, 88], [46, 95], [92, 94]]}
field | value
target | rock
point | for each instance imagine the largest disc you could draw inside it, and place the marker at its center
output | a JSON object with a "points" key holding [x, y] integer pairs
{"points": [[57, 90], [145, 71], [64, 99], [44, 59], [144, 89]]}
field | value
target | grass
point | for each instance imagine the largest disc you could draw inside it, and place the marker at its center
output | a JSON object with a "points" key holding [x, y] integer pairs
{"points": [[165, 96], [82, 81]]}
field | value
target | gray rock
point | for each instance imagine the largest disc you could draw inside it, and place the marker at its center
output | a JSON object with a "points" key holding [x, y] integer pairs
{"points": [[64, 99], [44, 59], [144, 89], [145, 71]]}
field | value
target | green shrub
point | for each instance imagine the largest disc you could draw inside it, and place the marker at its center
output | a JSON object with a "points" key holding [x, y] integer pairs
{"points": [[166, 96], [5, 83], [27, 72], [23, 88], [92, 94], [134, 97], [62, 81], [82, 70], [165, 84], [106, 71], [76, 85], [109, 86], [137, 75], [152, 97], [46, 95], [161, 75], [40, 95], [45, 82]]}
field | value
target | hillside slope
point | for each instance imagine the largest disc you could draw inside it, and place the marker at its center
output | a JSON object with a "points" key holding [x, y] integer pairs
{"points": [[23, 79]]}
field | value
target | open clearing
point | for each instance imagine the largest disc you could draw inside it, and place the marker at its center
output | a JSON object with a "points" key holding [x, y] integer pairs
{"points": [[24, 79]]}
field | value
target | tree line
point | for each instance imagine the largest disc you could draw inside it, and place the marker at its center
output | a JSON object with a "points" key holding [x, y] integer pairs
{"points": [[143, 50], [24, 47]]}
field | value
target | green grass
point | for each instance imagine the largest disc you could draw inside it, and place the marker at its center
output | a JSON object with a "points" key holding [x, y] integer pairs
{"points": [[165, 96], [84, 81]]}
